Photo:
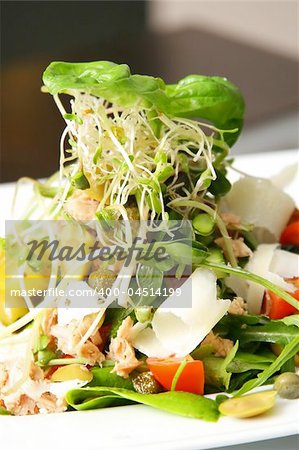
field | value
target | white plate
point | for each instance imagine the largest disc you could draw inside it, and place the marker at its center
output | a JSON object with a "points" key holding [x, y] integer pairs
{"points": [[139, 426]]}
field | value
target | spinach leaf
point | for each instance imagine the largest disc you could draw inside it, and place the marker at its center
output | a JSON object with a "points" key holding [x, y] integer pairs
{"points": [[220, 186], [106, 79], [102, 376], [214, 99], [182, 403], [287, 353]]}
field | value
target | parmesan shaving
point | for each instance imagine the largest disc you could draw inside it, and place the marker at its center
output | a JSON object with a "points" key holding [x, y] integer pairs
{"points": [[257, 201], [265, 262], [177, 331]]}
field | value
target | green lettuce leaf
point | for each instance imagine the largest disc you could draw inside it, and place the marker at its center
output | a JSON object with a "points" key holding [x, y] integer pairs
{"points": [[102, 376], [181, 403]]}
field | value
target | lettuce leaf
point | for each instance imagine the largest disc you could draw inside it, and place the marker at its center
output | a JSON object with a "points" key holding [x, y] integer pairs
{"points": [[181, 403], [102, 376]]}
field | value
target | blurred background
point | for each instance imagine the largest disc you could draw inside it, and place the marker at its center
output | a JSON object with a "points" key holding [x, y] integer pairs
{"points": [[253, 43]]}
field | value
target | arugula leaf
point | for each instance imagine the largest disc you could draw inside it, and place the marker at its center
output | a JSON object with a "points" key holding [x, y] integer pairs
{"points": [[247, 361], [287, 353], [182, 403], [214, 99], [234, 320], [216, 369], [251, 328], [273, 332], [238, 379]]}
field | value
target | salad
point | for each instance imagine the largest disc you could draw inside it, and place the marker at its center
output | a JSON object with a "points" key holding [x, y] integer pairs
{"points": [[217, 314]]}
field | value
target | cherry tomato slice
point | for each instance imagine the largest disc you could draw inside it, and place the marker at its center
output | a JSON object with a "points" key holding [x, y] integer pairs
{"points": [[275, 307], [190, 380], [290, 234]]}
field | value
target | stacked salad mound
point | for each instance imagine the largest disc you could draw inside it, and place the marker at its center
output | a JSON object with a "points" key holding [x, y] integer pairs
{"points": [[135, 149]]}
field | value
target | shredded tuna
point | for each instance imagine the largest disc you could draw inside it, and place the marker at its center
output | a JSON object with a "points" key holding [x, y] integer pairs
{"points": [[69, 336], [221, 346], [230, 219], [49, 403], [121, 350], [240, 249], [36, 372], [238, 307], [32, 396], [81, 207], [294, 281], [3, 376], [23, 406], [48, 320]]}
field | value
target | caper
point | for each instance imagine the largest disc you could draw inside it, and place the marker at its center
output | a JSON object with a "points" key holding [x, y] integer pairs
{"points": [[248, 405], [145, 383], [101, 279], [287, 385]]}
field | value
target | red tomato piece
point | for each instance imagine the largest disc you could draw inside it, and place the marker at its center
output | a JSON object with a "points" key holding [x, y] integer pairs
{"points": [[276, 308], [290, 234], [190, 380]]}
